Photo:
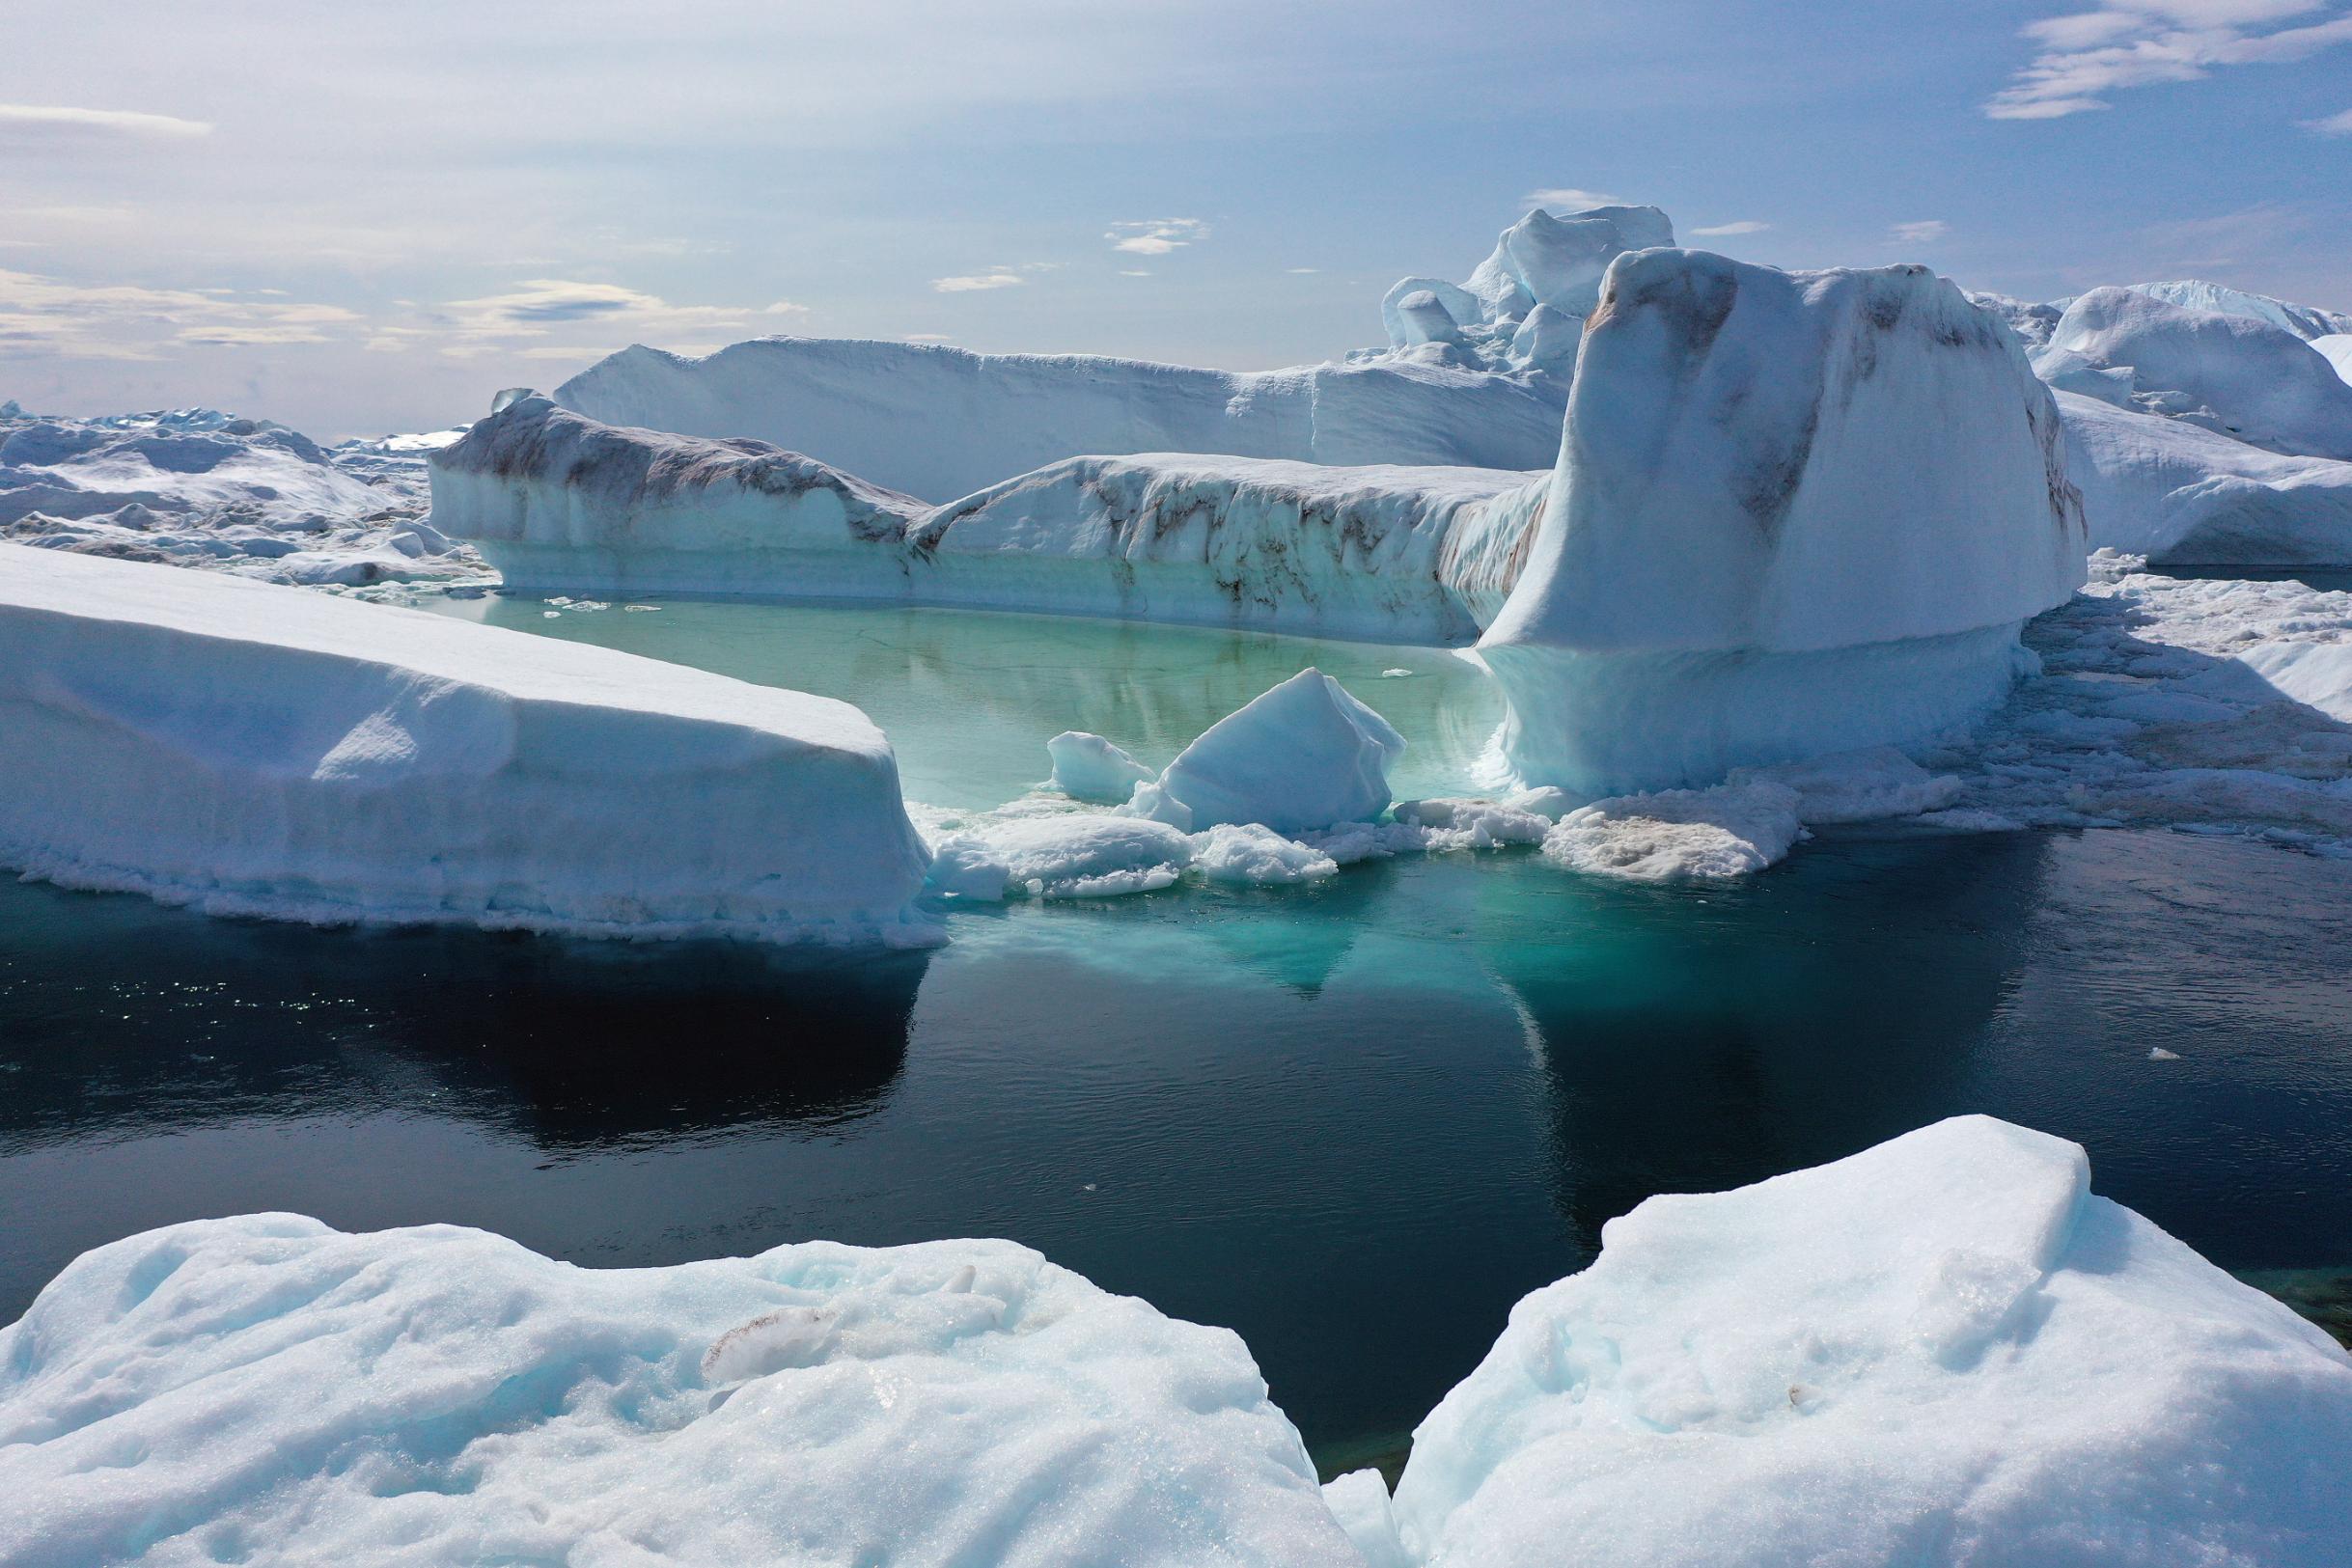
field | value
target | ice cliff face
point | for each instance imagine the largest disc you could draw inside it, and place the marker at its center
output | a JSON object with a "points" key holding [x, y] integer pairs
{"points": [[941, 423], [1793, 513], [560, 502]]}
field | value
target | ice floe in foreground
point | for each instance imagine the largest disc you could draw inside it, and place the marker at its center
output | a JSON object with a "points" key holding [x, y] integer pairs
{"points": [[199, 487], [252, 749], [1793, 513], [268, 1390], [1942, 1350]]}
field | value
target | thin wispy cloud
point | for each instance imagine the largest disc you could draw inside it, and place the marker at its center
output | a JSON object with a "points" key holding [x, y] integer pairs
{"points": [[2334, 125], [1925, 232], [1156, 236], [1571, 198], [1744, 226], [51, 316], [2086, 56], [26, 120], [976, 281]]}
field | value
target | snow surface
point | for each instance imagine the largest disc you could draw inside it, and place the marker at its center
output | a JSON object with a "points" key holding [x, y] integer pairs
{"points": [[941, 423], [267, 1389], [1793, 513], [1679, 834], [2238, 374], [267, 751], [1303, 754], [2336, 350], [1941, 1350], [2307, 321], [1079, 855], [2183, 495], [199, 487], [560, 502]]}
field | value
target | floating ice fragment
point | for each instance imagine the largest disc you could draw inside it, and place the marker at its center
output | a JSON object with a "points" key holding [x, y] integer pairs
{"points": [[1304, 755], [1089, 768]]}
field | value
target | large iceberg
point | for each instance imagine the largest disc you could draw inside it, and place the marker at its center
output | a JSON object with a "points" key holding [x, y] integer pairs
{"points": [[2183, 495], [1525, 306], [558, 502], [1793, 513], [2305, 322], [2239, 375], [260, 750], [941, 423], [266, 1388], [1942, 1350]]}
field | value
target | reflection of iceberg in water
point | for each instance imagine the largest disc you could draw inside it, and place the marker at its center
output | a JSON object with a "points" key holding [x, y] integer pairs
{"points": [[574, 1045], [1703, 1042]]}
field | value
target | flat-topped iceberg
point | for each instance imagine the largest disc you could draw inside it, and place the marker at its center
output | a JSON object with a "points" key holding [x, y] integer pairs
{"points": [[941, 423], [252, 749], [1942, 1350], [558, 502], [268, 1390], [1793, 513]]}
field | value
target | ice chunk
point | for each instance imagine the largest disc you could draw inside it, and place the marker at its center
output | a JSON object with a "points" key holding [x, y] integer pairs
{"points": [[269, 1390], [2305, 322], [2336, 350], [1303, 754], [271, 752], [1458, 823], [1360, 1502], [1089, 768], [2237, 375], [1793, 513], [1941, 1350], [1679, 834], [1245, 854], [1085, 855]]}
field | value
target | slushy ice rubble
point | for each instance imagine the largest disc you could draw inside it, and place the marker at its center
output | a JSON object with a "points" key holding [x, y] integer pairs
{"points": [[198, 488], [253, 749], [1941, 1350]]}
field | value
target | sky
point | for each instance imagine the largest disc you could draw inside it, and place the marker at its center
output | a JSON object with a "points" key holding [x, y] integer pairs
{"points": [[363, 218]]}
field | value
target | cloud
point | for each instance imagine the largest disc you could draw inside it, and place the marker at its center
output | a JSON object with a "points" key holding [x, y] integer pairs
{"points": [[2128, 44], [784, 307], [929, 337], [1745, 226], [1925, 232], [973, 283], [1156, 236], [1134, 272], [2334, 125], [29, 119], [52, 317], [544, 307], [1568, 196], [1301, 271]]}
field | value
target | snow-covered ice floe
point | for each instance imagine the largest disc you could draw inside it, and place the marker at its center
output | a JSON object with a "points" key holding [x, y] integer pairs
{"points": [[941, 423], [267, 1389], [254, 748], [1793, 513], [561, 503], [198, 488], [1942, 1350]]}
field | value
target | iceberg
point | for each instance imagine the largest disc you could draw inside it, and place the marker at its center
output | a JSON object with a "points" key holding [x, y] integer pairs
{"points": [[1525, 306], [2336, 350], [560, 502], [1941, 1350], [1089, 768], [2305, 322], [2238, 374], [1793, 513], [267, 751], [200, 487], [941, 423], [2182, 495], [267, 1388], [1304, 755]]}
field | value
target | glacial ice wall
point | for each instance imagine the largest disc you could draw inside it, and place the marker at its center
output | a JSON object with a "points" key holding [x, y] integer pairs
{"points": [[558, 502], [253, 749], [1793, 513], [941, 423]]}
